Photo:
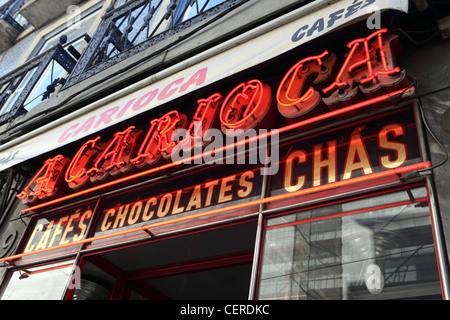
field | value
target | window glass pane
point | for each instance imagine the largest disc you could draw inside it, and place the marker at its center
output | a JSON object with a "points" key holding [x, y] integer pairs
{"points": [[135, 26], [15, 95], [74, 30], [53, 71], [41, 283], [198, 7], [376, 248], [4, 87], [20, 20]]}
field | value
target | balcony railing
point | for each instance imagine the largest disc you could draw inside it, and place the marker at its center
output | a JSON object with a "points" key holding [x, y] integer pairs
{"points": [[11, 23], [34, 81], [138, 25]]}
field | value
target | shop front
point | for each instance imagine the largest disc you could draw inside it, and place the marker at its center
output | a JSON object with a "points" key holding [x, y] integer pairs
{"points": [[303, 177]]}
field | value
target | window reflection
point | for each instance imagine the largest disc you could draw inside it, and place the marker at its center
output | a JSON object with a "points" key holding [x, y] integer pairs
{"points": [[376, 248], [74, 32], [41, 283], [15, 91], [191, 9], [53, 72]]}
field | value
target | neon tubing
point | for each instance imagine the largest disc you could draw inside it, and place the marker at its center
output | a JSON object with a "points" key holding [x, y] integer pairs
{"points": [[391, 172], [48, 269], [202, 155]]}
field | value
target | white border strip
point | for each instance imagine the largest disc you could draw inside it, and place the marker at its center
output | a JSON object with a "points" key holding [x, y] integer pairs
{"points": [[250, 49]]}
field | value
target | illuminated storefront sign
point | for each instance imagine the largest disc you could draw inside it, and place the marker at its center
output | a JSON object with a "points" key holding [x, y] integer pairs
{"points": [[163, 202], [149, 204], [316, 19], [323, 162], [368, 72], [383, 143], [60, 228]]}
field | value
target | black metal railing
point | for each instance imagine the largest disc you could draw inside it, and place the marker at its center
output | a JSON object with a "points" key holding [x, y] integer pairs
{"points": [[17, 86], [138, 25], [9, 12]]}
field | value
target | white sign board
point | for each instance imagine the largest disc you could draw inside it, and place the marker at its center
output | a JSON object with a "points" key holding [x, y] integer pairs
{"points": [[239, 58]]}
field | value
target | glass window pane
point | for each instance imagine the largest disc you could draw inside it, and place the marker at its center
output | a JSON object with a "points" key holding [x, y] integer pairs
{"points": [[198, 7], [376, 248], [74, 30], [15, 95], [53, 71], [41, 283], [20, 20]]}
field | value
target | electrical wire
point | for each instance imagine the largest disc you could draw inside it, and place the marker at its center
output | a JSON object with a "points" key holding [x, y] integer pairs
{"points": [[414, 83], [427, 127]]}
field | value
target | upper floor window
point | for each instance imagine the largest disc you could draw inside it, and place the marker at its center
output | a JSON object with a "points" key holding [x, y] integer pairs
{"points": [[12, 23], [73, 30], [135, 25], [48, 66], [189, 9], [136, 21], [71, 36]]}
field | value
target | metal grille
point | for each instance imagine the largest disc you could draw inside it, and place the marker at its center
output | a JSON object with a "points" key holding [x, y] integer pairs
{"points": [[16, 86], [136, 26], [10, 183], [9, 12]]}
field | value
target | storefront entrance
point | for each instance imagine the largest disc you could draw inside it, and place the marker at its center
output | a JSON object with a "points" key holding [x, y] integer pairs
{"points": [[204, 264]]}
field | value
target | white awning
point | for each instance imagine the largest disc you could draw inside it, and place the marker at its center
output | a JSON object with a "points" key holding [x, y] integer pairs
{"points": [[239, 57]]}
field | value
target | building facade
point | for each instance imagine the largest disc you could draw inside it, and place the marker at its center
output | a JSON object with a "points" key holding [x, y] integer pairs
{"points": [[225, 149]]}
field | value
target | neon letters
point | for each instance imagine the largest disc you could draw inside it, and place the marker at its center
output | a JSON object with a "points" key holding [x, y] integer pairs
{"points": [[314, 85]]}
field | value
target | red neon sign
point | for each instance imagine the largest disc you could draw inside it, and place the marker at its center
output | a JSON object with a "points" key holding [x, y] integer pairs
{"points": [[361, 55], [158, 143], [205, 118], [248, 204], [76, 175], [247, 106], [296, 97], [45, 181], [115, 156], [369, 67]]}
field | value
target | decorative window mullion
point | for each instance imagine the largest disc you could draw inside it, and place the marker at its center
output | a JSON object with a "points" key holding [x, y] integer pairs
{"points": [[37, 66], [17, 109], [167, 21]]}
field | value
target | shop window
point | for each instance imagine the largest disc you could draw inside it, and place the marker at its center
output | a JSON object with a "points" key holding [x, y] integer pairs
{"points": [[46, 282], [380, 247], [94, 284], [211, 264]]}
